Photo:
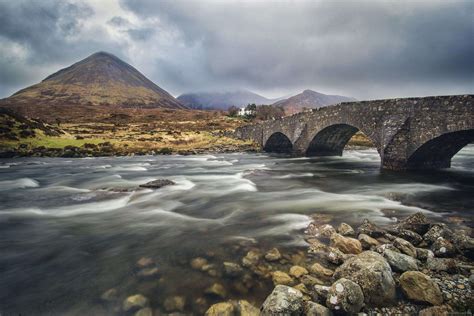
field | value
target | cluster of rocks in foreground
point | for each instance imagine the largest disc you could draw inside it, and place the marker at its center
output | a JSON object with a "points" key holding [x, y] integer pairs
{"points": [[414, 267]]}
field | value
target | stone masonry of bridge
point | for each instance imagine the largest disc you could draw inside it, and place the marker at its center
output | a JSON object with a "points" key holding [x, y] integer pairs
{"points": [[409, 133]]}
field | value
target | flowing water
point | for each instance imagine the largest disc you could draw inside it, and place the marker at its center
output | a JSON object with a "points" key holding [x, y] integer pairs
{"points": [[71, 229]]}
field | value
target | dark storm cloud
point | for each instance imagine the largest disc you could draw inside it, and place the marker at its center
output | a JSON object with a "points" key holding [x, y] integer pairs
{"points": [[365, 49]]}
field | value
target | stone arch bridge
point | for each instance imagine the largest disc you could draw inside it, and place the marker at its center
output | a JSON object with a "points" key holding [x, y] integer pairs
{"points": [[410, 133]]}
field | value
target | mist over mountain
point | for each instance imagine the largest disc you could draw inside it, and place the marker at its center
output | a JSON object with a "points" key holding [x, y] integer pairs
{"points": [[222, 100], [100, 79], [310, 99]]}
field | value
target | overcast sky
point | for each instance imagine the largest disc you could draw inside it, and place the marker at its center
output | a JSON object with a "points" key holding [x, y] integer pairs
{"points": [[363, 49]]}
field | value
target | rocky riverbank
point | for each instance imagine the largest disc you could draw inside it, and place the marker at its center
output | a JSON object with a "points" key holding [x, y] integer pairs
{"points": [[415, 267]]}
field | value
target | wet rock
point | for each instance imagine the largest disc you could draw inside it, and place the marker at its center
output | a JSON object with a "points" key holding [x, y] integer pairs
{"points": [[405, 247], [321, 292], [417, 223], [221, 309], [110, 295], [273, 255], [316, 247], [369, 228], [145, 262], [423, 254], [373, 274], [251, 258], [174, 304], [298, 271], [148, 273], [345, 230], [436, 231], [302, 288], [443, 310], [280, 277], [419, 287], [381, 249], [464, 244], [368, 242], [144, 312], [443, 248], [400, 262], [408, 235], [320, 271], [315, 309], [442, 264], [244, 308], [322, 231], [135, 302], [216, 289], [284, 300], [346, 296], [198, 263], [156, 184], [346, 244], [336, 256], [232, 269]]}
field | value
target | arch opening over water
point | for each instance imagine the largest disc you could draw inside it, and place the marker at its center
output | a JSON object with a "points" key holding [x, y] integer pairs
{"points": [[331, 140], [437, 152], [278, 143]]}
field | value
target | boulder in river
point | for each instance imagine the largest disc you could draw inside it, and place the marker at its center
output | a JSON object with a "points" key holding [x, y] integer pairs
{"points": [[284, 300], [232, 269], [419, 287], [443, 248], [373, 274], [273, 255], [157, 184], [436, 231], [345, 296], [442, 264], [135, 302]]}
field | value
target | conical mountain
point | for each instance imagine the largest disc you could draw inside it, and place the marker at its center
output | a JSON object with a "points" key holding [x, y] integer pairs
{"points": [[100, 79]]}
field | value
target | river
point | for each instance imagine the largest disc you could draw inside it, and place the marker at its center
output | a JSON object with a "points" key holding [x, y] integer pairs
{"points": [[72, 228]]}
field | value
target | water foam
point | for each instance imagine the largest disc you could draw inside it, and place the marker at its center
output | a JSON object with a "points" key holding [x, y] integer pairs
{"points": [[21, 183]]}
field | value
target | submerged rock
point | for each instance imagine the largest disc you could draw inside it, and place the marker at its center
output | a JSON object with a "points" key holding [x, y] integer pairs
{"points": [[419, 287], [156, 184], [322, 231], [217, 289], [284, 300], [174, 304], [298, 271], [273, 255], [400, 262], [145, 262], [251, 258], [144, 312], [373, 274], [280, 277], [198, 263], [110, 295], [232, 269], [221, 309], [320, 271], [369, 228], [346, 296], [135, 302], [244, 308]]}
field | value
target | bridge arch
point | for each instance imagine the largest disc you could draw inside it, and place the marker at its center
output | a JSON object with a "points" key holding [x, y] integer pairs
{"points": [[331, 140], [437, 152], [278, 143]]}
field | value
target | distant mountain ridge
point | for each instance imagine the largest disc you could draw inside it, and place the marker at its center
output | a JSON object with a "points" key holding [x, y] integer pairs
{"points": [[100, 79], [310, 99], [222, 100]]}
